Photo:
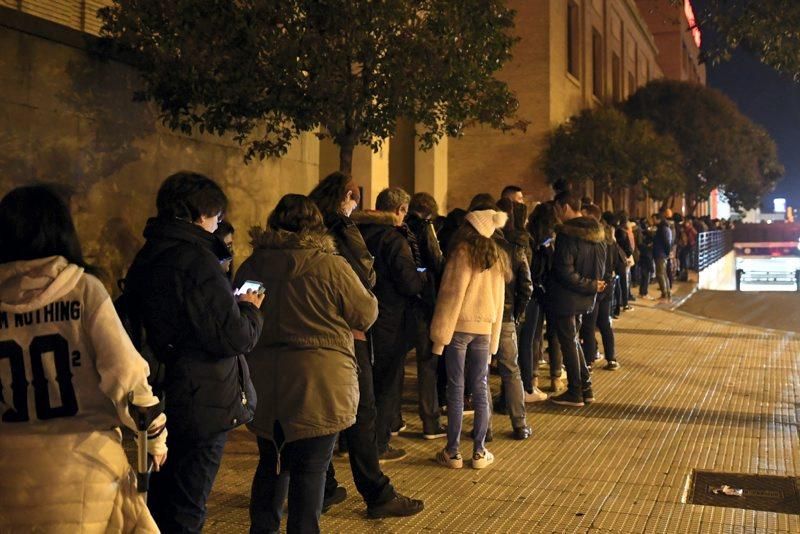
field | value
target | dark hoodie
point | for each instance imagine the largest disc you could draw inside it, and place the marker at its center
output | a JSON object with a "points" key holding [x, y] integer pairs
{"points": [[398, 281], [578, 261]]}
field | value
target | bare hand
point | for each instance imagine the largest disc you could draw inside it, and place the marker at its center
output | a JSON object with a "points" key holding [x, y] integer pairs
{"points": [[252, 297], [158, 461], [601, 286]]}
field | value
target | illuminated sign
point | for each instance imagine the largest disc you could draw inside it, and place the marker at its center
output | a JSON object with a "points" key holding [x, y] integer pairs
{"points": [[779, 205]]}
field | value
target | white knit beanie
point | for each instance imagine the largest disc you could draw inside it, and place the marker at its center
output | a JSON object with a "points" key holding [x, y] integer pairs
{"points": [[487, 221]]}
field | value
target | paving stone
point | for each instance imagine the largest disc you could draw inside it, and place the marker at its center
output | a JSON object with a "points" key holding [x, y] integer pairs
{"points": [[690, 394]]}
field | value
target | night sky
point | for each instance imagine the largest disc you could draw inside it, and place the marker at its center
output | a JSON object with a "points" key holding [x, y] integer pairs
{"points": [[771, 100]]}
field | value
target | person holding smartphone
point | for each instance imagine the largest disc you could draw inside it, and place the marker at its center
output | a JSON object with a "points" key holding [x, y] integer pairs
{"points": [[304, 365], [199, 331]]}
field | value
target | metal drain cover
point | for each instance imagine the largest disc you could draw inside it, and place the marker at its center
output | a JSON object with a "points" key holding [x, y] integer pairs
{"points": [[768, 493]]}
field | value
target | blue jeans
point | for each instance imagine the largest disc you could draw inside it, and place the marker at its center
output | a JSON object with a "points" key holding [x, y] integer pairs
{"points": [[474, 347], [303, 464]]}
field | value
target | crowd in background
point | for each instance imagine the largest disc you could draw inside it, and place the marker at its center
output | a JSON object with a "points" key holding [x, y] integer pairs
{"points": [[307, 341]]}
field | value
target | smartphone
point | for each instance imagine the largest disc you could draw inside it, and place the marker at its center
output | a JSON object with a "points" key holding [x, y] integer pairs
{"points": [[421, 269], [250, 285]]}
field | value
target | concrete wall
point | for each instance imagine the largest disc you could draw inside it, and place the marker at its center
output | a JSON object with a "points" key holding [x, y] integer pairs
{"points": [[70, 119], [720, 275]]}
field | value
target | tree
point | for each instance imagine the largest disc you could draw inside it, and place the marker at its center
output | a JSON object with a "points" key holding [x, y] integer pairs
{"points": [[603, 145], [770, 29], [268, 71], [720, 147]]}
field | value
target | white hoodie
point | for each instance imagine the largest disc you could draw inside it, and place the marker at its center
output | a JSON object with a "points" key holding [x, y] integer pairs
{"points": [[66, 368]]}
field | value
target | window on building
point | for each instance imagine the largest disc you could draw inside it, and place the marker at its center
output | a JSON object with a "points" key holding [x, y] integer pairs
{"points": [[597, 64], [616, 90], [573, 39]]}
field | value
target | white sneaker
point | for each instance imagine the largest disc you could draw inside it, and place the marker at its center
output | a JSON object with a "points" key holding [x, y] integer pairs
{"points": [[536, 395], [483, 459], [453, 462]]}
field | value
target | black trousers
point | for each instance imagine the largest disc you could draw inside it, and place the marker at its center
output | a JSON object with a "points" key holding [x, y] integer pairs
{"points": [[178, 493], [370, 481], [599, 317], [578, 377], [392, 342], [427, 374]]}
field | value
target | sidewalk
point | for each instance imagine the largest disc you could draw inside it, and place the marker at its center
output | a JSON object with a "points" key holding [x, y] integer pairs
{"points": [[690, 394]]}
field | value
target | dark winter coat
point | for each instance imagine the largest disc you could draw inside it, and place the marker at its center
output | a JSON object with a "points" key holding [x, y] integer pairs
{"points": [[195, 326], [350, 244], [541, 264], [578, 262], [398, 281], [519, 287], [623, 241], [304, 367], [612, 263], [662, 241], [431, 257]]}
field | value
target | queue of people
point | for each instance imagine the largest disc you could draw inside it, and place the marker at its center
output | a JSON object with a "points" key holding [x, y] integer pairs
{"points": [[305, 343]]}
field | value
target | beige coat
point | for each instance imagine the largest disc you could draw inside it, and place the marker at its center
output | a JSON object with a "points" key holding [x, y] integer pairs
{"points": [[469, 301]]}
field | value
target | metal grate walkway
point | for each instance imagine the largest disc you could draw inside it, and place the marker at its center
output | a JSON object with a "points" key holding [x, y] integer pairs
{"points": [[690, 394]]}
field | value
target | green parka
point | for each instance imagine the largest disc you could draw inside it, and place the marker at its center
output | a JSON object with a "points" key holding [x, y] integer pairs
{"points": [[303, 366]]}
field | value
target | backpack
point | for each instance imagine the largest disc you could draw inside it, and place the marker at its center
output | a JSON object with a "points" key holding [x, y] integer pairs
{"points": [[131, 318]]}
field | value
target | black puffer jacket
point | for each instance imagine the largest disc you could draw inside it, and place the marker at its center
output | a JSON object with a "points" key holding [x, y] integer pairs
{"points": [[578, 262], [398, 281], [612, 263], [195, 326], [519, 288]]}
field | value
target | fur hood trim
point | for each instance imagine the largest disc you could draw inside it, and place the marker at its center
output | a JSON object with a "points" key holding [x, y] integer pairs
{"points": [[584, 228], [372, 217], [281, 239]]}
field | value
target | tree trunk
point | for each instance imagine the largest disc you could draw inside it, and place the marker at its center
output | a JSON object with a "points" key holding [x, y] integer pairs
{"points": [[346, 157]]}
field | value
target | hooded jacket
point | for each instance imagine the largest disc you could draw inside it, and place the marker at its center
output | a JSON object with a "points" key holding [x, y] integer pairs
{"points": [[194, 326], [72, 367], [304, 366], [578, 261], [398, 281]]}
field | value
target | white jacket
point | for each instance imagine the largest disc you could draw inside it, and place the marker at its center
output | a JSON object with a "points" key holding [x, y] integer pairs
{"points": [[66, 368]]}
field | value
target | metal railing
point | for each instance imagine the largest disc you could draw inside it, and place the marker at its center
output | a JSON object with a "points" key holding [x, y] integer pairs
{"points": [[711, 247]]}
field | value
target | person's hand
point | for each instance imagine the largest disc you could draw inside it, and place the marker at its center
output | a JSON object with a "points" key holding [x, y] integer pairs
{"points": [[601, 286], [158, 461], [252, 297]]}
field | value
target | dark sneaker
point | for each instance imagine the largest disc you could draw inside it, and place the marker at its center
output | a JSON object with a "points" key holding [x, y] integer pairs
{"points": [[338, 496], [567, 399], [522, 432], [401, 428], [611, 366], [588, 396], [437, 433], [398, 506], [391, 455]]}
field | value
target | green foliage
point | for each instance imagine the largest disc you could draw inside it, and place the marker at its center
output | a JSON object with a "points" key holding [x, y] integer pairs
{"points": [[267, 71], [770, 29], [721, 148], [603, 145]]}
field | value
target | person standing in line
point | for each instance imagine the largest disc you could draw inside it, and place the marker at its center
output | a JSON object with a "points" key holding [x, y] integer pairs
{"points": [[576, 279], [304, 365], [600, 316], [225, 232], [518, 290], [399, 283], [199, 330], [62, 466], [337, 196], [541, 227], [513, 193], [662, 248], [468, 320], [646, 264], [624, 242], [421, 211]]}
